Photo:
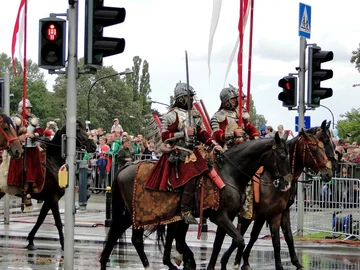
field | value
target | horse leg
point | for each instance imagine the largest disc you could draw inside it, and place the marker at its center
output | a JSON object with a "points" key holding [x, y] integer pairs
{"points": [[170, 236], [182, 247], [225, 226], [218, 241], [43, 212], [115, 232], [258, 224], [138, 242], [245, 223], [286, 228], [58, 223], [275, 237]]}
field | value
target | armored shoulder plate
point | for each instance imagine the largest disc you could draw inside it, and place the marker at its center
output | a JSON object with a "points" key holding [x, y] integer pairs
{"points": [[220, 116], [17, 119]]}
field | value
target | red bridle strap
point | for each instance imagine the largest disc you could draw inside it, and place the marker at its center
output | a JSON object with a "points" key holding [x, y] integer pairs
{"points": [[8, 139]]}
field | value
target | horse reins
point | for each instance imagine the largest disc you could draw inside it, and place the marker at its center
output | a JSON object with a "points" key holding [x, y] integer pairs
{"points": [[8, 139], [306, 148]]}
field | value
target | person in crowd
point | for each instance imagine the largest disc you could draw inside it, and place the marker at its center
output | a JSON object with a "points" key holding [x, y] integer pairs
{"points": [[124, 154], [282, 132], [183, 163], [270, 133], [263, 131], [136, 148], [114, 150], [99, 133], [27, 129], [224, 122], [116, 126], [103, 163]]}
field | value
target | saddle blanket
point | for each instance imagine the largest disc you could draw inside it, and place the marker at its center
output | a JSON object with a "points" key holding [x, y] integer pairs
{"points": [[152, 207]]}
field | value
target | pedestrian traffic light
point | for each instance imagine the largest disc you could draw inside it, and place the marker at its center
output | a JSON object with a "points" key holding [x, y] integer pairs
{"points": [[289, 93], [96, 45], [316, 75], [52, 43]]}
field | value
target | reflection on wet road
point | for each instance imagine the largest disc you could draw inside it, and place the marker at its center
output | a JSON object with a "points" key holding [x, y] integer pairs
{"points": [[49, 256]]}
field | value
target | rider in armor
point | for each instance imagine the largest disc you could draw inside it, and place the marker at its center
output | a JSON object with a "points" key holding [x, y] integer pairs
{"points": [[183, 163], [224, 122], [32, 151]]}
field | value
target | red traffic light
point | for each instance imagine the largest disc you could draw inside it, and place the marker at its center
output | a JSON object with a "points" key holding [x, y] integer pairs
{"points": [[51, 31], [285, 84]]}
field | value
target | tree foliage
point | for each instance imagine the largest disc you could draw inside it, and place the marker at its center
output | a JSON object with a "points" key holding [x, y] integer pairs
{"points": [[351, 124], [355, 58]]}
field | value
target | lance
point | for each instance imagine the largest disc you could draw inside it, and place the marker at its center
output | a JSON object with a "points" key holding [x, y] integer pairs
{"points": [[189, 94], [188, 87], [240, 60]]}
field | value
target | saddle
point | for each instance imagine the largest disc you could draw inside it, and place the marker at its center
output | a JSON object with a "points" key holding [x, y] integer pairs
{"points": [[153, 207], [35, 171]]}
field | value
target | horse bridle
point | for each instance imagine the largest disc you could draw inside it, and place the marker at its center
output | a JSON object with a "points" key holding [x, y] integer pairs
{"points": [[307, 144], [273, 147], [8, 139]]}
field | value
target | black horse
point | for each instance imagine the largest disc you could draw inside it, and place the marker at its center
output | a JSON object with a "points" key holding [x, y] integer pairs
{"points": [[51, 192], [8, 139], [240, 163]]}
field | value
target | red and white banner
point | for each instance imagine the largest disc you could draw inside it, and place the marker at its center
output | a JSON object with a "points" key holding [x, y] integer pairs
{"points": [[18, 33]]}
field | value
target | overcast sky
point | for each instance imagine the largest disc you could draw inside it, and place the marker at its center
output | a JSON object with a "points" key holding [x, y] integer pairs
{"points": [[160, 31]]}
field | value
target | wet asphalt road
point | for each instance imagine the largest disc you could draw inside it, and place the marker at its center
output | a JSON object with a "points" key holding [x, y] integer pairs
{"points": [[89, 243], [49, 256]]}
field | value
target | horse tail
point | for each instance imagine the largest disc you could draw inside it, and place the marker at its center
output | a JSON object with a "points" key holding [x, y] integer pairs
{"points": [[160, 236]]}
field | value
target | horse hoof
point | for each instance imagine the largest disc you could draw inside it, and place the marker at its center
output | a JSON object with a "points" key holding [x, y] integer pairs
{"points": [[246, 267], [236, 267], [31, 247]]}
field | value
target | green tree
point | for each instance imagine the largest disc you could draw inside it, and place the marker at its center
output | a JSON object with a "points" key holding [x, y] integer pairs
{"points": [[351, 124], [36, 87], [355, 58], [256, 119]]}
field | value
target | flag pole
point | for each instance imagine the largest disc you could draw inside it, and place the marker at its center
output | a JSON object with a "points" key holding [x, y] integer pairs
{"points": [[240, 58], [250, 56], [25, 67]]}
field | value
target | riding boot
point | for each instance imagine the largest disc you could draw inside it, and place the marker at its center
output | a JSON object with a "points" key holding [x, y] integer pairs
{"points": [[186, 199], [28, 202]]}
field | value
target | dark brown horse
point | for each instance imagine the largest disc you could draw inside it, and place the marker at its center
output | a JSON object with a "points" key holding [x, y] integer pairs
{"points": [[306, 151], [241, 162], [51, 192], [9, 141]]}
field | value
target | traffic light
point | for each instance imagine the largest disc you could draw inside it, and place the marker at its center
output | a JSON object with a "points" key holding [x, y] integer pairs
{"points": [[52, 43], [96, 45], [316, 75], [289, 94]]}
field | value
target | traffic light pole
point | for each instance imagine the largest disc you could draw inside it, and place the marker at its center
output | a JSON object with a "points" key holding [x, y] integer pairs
{"points": [[300, 191], [7, 111], [71, 105]]}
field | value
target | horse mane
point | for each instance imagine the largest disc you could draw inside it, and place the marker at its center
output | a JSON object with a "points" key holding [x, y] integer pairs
{"points": [[7, 120], [244, 145]]}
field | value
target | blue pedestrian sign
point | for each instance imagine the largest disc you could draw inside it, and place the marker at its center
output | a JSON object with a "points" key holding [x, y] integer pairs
{"points": [[307, 123], [304, 20]]}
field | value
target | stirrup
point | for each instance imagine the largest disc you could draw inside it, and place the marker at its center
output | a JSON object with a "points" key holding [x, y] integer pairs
{"points": [[28, 206], [188, 217]]}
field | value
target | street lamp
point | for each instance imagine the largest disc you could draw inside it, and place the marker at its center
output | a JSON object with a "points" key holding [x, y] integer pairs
{"points": [[126, 72], [333, 124], [149, 100]]}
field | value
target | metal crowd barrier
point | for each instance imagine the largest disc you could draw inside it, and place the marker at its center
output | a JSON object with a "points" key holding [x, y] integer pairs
{"points": [[332, 207]]}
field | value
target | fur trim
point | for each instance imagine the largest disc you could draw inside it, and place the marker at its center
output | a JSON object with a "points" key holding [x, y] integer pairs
{"points": [[4, 171]]}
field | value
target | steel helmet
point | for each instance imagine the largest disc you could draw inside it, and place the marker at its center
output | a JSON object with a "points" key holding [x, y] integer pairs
{"points": [[27, 105], [227, 93], [181, 90]]}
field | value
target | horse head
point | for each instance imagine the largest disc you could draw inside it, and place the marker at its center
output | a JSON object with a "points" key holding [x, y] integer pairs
{"points": [[310, 149], [277, 160], [9, 140], [326, 139], [83, 141]]}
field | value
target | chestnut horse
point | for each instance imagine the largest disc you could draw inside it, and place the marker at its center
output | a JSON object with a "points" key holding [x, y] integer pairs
{"points": [[306, 151]]}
